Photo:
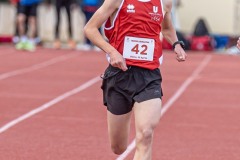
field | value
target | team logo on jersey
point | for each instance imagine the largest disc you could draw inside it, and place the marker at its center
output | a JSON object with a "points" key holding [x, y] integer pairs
{"points": [[155, 9], [130, 8], [155, 15]]}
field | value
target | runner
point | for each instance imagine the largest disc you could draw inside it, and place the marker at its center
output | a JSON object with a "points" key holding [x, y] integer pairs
{"points": [[89, 7], [27, 8], [132, 82], [67, 5]]}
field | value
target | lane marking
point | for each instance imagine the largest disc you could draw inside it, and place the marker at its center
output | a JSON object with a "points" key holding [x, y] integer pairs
{"points": [[36, 66], [49, 104], [169, 103]]}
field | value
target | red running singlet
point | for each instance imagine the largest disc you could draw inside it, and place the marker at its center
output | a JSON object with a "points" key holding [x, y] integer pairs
{"points": [[135, 32]]}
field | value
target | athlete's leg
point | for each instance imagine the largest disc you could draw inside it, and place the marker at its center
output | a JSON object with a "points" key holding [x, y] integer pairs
{"points": [[21, 28], [58, 20], [31, 16], [71, 42], [21, 23], [33, 28], [118, 130], [16, 37], [147, 115], [58, 6], [68, 10]]}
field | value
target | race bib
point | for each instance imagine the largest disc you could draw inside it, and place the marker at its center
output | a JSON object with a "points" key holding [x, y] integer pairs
{"points": [[138, 48]]}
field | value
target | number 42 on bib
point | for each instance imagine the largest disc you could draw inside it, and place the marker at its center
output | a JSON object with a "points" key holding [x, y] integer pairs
{"points": [[138, 48]]}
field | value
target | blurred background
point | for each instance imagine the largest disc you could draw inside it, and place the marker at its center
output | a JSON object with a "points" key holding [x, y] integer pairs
{"points": [[217, 23], [222, 16]]}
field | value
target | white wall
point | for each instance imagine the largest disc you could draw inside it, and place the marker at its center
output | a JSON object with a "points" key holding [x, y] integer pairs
{"points": [[7, 14], [219, 14]]}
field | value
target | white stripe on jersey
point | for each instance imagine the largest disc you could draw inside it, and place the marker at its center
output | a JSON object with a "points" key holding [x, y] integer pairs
{"points": [[113, 22]]}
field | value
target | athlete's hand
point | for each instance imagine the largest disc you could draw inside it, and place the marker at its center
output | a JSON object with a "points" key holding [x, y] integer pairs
{"points": [[181, 54], [117, 60]]}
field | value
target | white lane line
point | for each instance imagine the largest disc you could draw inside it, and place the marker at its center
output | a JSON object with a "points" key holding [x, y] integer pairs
{"points": [[49, 104], [36, 66], [169, 103]]}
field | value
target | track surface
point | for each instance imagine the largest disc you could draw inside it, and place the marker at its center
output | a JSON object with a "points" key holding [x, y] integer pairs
{"points": [[201, 123]]}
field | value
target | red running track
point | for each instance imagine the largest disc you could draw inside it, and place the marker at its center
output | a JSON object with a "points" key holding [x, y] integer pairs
{"points": [[201, 123]]}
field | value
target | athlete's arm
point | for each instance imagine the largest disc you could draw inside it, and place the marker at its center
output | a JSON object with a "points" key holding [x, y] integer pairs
{"points": [[108, 8], [169, 32]]}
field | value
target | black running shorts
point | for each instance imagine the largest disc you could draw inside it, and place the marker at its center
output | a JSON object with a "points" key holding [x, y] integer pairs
{"points": [[28, 10], [122, 89]]}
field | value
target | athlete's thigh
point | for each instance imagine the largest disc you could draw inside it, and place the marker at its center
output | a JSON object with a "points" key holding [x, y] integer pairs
{"points": [[118, 127], [147, 113]]}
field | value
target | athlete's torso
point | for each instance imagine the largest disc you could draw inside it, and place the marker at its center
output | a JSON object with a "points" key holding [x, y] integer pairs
{"points": [[135, 31]]}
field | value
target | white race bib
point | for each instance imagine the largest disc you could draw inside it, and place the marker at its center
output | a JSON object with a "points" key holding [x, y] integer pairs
{"points": [[138, 48]]}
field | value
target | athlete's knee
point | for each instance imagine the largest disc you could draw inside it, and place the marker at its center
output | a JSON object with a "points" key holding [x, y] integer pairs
{"points": [[21, 18], [144, 136], [118, 149]]}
